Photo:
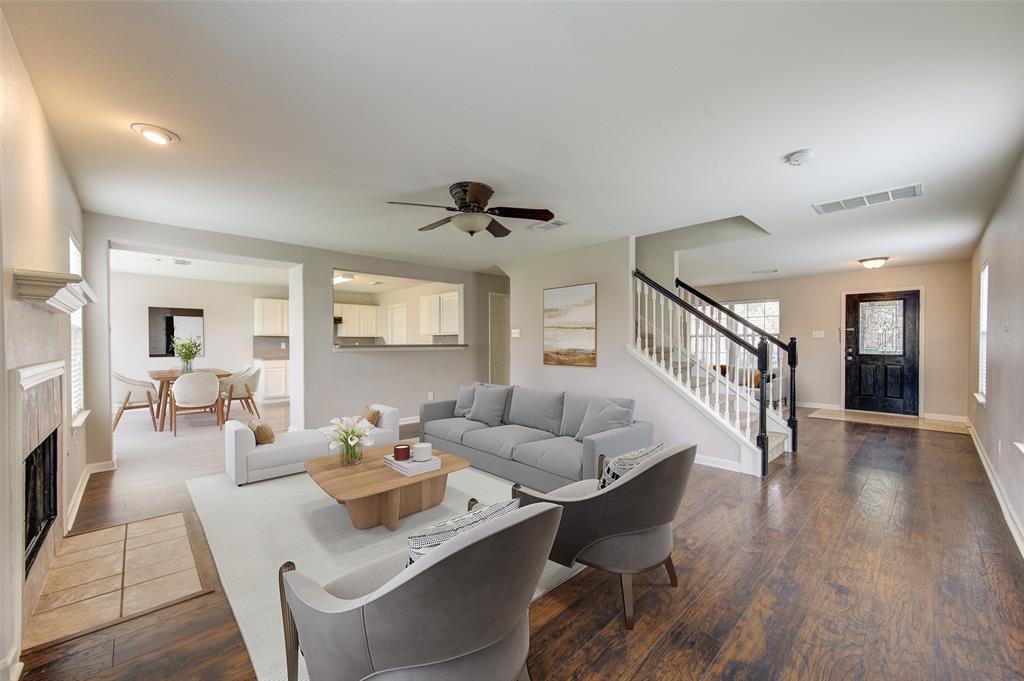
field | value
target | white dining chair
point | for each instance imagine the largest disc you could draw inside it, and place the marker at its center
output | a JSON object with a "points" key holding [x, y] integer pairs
{"points": [[196, 392], [130, 393], [240, 387]]}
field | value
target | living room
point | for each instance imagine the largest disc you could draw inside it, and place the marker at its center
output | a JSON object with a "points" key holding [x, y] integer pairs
{"points": [[725, 350]]}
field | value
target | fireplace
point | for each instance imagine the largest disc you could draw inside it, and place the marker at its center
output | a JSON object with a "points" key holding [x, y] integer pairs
{"points": [[40, 495]]}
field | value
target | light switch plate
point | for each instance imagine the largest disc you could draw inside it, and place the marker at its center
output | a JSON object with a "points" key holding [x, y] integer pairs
{"points": [[430, 395], [284, 346], [817, 334], [515, 333]]}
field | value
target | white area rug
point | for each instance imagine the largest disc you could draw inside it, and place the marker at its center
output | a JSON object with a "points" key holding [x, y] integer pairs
{"points": [[254, 528]]}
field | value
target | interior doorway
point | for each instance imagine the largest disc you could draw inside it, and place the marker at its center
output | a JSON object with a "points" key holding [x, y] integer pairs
{"points": [[498, 338], [881, 352]]}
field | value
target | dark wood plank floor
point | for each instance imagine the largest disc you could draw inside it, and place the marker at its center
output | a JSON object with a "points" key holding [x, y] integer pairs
{"points": [[876, 553]]}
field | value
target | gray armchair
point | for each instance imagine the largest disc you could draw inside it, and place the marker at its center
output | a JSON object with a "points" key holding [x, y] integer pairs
{"points": [[625, 528], [460, 612]]}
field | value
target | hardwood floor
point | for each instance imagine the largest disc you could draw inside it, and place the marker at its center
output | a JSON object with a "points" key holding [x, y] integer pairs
{"points": [[874, 553]]}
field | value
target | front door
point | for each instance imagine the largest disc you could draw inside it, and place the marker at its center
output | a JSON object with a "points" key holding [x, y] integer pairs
{"points": [[881, 351]]}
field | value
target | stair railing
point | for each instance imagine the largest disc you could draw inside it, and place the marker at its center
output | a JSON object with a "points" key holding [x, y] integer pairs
{"points": [[751, 332], [722, 369]]}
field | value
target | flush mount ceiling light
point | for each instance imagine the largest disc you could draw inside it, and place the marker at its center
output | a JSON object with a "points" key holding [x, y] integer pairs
{"points": [[873, 263], [471, 223], [800, 157], [342, 277], [156, 134]]}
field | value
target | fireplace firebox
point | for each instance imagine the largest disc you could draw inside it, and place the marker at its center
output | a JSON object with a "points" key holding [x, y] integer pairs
{"points": [[40, 495]]}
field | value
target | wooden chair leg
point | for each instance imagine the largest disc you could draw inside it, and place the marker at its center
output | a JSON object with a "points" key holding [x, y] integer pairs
{"points": [[627, 599], [291, 634], [174, 416], [473, 501], [152, 411], [231, 392], [671, 568], [252, 401], [120, 410], [515, 490], [220, 413]]}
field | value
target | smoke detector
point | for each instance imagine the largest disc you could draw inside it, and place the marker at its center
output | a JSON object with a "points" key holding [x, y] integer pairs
{"points": [[800, 157], [872, 199], [554, 223]]}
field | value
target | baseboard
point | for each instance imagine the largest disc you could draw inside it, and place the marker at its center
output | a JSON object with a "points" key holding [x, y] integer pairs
{"points": [[11, 666], [714, 462], [1012, 521], [817, 405], [83, 481], [944, 417], [406, 420]]}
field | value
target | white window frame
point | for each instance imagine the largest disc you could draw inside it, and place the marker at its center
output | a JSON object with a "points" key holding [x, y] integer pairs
{"points": [[982, 393], [76, 337]]}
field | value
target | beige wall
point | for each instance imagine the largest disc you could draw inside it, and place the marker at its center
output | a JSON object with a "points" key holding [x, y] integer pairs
{"points": [[38, 212], [227, 319], [411, 297], [999, 423], [815, 303]]}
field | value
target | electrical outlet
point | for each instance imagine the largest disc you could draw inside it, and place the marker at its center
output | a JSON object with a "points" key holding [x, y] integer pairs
{"points": [[284, 346], [817, 334], [430, 395]]}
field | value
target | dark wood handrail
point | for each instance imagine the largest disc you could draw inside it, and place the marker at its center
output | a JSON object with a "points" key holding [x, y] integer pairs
{"points": [[722, 308], [749, 347]]}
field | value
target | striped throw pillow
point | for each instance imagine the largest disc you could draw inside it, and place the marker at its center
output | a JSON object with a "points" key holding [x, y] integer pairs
{"points": [[435, 535], [624, 463]]}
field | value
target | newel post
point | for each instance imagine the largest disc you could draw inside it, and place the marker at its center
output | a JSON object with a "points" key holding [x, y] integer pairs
{"points": [[791, 422], [762, 410]]}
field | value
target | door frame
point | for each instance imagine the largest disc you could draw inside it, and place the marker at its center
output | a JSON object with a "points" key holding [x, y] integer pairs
{"points": [[490, 344], [920, 343]]}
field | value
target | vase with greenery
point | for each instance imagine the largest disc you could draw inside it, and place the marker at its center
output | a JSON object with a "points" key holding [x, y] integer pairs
{"points": [[349, 436], [186, 350]]}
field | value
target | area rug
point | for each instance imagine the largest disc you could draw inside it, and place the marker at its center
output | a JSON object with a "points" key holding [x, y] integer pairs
{"points": [[893, 420], [255, 528]]}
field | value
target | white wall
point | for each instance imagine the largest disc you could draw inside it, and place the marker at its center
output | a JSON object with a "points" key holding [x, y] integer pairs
{"points": [[38, 212], [227, 319], [617, 374], [815, 303], [1000, 421]]}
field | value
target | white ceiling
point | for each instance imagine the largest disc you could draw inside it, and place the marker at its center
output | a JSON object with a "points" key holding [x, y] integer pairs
{"points": [[298, 121], [162, 265], [364, 283]]}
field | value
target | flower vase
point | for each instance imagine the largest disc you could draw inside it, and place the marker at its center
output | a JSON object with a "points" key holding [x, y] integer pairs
{"points": [[186, 366], [351, 455]]}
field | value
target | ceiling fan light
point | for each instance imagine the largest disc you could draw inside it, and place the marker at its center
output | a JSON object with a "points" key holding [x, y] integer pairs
{"points": [[471, 223], [873, 263]]}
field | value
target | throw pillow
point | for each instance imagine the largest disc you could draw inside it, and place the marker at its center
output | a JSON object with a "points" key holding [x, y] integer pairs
{"points": [[371, 415], [489, 405], [603, 415], [464, 400], [433, 536], [263, 432], [624, 463]]}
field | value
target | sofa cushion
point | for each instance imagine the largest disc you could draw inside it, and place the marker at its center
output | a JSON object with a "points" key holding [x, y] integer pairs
{"points": [[289, 447], [501, 439], [489, 404], [560, 455], [464, 400], [603, 415], [541, 409], [451, 429], [575, 408]]}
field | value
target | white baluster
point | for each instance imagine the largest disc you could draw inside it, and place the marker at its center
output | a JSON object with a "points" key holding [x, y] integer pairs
{"points": [[636, 313], [661, 330]]}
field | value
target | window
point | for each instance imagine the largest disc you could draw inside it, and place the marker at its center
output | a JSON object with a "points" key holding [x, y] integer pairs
{"points": [[761, 313], [983, 331], [77, 388]]}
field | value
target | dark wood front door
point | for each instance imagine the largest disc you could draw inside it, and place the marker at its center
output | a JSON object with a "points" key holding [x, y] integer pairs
{"points": [[881, 351]]}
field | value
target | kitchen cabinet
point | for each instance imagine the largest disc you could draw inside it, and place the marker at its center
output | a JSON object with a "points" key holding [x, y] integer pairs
{"points": [[439, 314], [357, 320], [449, 323], [270, 317], [273, 380]]}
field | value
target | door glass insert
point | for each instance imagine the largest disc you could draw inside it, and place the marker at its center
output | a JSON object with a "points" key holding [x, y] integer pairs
{"points": [[881, 327]]}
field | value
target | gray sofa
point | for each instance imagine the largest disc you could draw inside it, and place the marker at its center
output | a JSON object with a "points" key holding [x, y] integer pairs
{"points": [[535, 444]]}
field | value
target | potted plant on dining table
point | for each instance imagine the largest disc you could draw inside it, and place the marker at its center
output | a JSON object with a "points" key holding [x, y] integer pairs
{"points": [[186, 350], [349, 436]]}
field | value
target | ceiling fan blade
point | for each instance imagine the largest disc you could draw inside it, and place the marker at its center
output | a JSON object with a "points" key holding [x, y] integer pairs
{"points": [[425, 205], [479, 194], [434, 225], [497, 229], [540, 214]]}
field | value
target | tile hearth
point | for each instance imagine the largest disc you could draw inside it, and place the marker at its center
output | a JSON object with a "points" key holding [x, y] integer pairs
{"points": [[103, 576]]}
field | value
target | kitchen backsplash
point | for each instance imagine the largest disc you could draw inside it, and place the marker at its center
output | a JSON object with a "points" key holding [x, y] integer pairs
{"points": [[269, 347]]}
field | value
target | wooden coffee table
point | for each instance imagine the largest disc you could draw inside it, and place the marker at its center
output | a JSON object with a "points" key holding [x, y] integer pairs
{"points": [[377, 495]]}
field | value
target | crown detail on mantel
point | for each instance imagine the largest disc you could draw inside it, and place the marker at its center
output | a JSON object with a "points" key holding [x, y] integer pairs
{"points": [[62, 291]]}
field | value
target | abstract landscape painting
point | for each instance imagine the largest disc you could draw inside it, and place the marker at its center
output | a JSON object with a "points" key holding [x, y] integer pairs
{"points": [[570, 325]]}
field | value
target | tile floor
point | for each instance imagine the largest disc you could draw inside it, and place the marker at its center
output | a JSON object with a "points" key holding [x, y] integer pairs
{"points": [[102, 576], [892, 420]]}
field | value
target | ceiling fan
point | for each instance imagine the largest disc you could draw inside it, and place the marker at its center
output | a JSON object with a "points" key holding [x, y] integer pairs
{"points": [[472, 213]]}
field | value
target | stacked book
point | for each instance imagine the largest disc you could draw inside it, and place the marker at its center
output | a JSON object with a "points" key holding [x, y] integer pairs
{"points": [[411, 467]]}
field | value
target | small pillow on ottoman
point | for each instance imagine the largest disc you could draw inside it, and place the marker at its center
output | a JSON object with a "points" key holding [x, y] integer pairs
{"points": [[371, 415], [263, 432], [624, 463], [435, 535]]}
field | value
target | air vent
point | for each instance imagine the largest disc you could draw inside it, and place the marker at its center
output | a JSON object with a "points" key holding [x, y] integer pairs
{"points": [[179, 261], [547, 226], [872, 199]]}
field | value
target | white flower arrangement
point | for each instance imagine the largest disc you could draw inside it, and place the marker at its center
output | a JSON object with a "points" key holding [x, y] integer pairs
{"points": [[348, 434]]}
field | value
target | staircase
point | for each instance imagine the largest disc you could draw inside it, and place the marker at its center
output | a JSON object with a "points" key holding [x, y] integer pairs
{"points": [[734, 371]]}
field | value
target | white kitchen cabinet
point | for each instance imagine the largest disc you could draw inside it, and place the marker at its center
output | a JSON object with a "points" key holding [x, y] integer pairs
{"points": [[449, 323], [339, 310], [368, 320], [270, 317], [357, 320], [439, 314], [273, 380]]}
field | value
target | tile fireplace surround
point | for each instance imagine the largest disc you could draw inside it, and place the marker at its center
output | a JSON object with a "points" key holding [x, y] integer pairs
{"points": [[35, 404]]}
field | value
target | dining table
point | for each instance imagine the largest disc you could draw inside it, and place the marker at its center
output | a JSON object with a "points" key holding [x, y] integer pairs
{"points": [[165, 379]]}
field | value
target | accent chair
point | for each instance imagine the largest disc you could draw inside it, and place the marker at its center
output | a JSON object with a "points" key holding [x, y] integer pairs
{"points": [[130, 393]]}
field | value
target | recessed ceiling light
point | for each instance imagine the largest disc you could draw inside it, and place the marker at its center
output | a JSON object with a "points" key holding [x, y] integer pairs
{"points": [[800, 157], [156, 134], [342, 277], [873, 263]]}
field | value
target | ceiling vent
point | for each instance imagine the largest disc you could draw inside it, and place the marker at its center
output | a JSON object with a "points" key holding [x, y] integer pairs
{"points": [[179, 261], [872, 199], [548, 226]]}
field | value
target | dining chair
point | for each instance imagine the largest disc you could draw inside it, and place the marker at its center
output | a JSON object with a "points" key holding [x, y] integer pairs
{"points": [[130, 393], [193, 393], [240, 387]]}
